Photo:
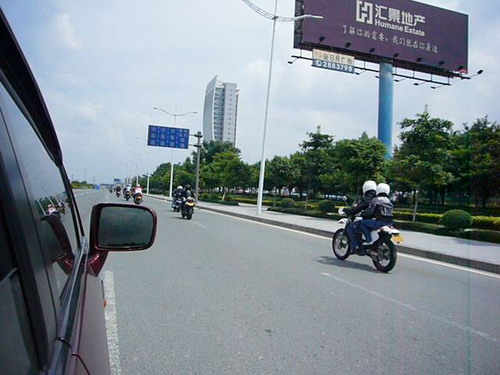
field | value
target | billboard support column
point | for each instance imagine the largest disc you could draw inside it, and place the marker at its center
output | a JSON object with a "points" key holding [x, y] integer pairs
{"points": [[385, 106]]}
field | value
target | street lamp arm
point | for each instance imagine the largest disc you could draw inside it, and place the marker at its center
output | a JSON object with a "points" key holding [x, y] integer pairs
{"points": [[275, 17], [175, 114]]}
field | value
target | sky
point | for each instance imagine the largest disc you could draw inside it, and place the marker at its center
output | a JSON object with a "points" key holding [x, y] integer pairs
{"points": [[103, 65]]}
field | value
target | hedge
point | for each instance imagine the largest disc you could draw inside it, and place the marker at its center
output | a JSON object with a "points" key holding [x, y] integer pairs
{"points": [[424, 218], [486, 222], [471, 234], [226, 203], [479, 222]]}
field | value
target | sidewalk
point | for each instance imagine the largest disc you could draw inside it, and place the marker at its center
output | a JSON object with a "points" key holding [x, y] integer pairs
{"points": [[467, 253]]}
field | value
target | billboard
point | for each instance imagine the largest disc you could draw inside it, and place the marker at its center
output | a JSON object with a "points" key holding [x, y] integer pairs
{"points": [[410, 34], [162, 136]]}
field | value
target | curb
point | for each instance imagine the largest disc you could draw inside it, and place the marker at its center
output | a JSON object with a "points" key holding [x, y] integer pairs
{"points": [[459, 261]]}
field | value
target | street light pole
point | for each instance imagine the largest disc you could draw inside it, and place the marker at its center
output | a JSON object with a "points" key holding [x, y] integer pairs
{"points": [[147, 165], [274, 18], [172, 157], [198, 146], [263, 150]]}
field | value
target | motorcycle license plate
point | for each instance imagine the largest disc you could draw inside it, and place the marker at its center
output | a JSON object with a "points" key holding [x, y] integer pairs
{"points": [[397, 238]]}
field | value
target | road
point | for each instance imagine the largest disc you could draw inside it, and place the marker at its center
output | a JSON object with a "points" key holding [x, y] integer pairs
{"points": [[220, 295]]}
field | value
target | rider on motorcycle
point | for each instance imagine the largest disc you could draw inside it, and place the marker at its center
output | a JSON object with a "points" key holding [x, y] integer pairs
{"points": [[369, 192], [381, 208], [186, 193], [177, 195]]}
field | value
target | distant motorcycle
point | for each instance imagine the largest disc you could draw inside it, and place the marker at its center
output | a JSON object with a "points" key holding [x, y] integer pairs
{"points": [[382, 251], [118, 193], [176, 204], [138, 198], [188, 208], [127, 195]]}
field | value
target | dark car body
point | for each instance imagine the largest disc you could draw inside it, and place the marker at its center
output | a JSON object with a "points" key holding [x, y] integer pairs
{"points": [[51, 297]]}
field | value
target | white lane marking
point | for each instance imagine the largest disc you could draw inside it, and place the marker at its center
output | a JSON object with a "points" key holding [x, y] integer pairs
{"points": [[399, 303], [111, 323], [414, 257], [201, 225]]}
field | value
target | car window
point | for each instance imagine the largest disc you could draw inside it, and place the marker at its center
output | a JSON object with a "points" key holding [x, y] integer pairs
{"points": [[17, 351], [51, 204]]}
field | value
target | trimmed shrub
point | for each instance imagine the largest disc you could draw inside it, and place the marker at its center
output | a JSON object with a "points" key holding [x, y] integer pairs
{"points": [[456, 220], [205, 196], [326, 205], [287, 203]]}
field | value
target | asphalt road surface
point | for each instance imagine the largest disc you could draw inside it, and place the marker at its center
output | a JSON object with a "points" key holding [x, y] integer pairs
{"points": [[220, 295]]}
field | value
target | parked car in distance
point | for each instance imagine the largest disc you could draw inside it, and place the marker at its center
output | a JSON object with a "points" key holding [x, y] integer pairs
{"points": [[51, 309]]}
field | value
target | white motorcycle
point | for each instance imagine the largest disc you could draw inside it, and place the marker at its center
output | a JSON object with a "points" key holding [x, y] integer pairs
{"points": [[382, 251]]}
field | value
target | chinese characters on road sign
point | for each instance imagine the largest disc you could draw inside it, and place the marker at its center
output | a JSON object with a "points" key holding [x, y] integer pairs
{"points": [[162, 136]]}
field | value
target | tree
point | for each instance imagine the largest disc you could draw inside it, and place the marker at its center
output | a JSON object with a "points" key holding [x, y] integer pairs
{"points": [[423, 161], [212, 148], [356, 161], [229, 171], [318, 158], [477, 160], [282, 172]]}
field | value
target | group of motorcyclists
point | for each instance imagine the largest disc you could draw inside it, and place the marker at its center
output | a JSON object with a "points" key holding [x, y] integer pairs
{"points": [[375, 209]]}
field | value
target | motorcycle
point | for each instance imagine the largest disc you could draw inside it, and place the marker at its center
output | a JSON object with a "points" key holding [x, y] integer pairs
{"points": [[188, 208], [118, 193], [382, 251], [127, 195], [138, 198], [176, 204]]}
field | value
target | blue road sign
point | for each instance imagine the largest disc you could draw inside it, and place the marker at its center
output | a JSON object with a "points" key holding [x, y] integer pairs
{"points": [[162, 136]]}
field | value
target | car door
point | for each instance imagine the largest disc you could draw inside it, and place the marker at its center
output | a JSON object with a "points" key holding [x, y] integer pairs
{"points": [[54, 308]]}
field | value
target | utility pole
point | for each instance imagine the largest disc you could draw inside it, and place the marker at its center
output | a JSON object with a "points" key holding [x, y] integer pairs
{"points": [[198, 145]]}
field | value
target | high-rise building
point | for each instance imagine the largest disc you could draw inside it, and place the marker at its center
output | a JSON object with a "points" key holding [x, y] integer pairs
{"points": [[220, 112]]}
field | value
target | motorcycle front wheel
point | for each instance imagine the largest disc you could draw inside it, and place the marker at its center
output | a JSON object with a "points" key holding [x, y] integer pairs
{"points": [[340, 245], [386, 257], [189, 213]]}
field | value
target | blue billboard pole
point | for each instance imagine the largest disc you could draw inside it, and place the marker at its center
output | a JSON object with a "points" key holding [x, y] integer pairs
{"points": [[385, 105]]}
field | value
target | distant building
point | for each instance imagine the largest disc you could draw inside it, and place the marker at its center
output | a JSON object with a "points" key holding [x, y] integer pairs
{"points": [[220, 112]]}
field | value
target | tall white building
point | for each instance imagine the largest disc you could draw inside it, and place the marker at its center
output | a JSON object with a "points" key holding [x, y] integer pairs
{"points": [[220, 112]]}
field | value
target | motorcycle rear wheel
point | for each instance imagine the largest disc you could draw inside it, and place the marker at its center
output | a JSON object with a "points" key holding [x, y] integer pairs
{"points": [[386, 256], [340, 245]]}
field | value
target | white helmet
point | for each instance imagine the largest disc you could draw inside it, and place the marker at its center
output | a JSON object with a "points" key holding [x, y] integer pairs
{"points": [[369, 185], [179, 187], [383, 188]]}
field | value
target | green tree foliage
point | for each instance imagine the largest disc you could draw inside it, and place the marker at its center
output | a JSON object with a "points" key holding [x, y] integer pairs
{"points": [[282, 172], [212, 148], [356, 160], [477, 161], [318, 158], [423, 161]]}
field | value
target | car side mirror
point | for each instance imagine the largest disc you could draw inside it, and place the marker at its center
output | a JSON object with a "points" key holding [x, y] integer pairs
{"points": [[122, 227]]}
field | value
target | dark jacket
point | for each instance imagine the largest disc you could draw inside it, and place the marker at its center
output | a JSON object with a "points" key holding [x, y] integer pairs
{"points": [[186, 193], [362, 204], [380, 208]]}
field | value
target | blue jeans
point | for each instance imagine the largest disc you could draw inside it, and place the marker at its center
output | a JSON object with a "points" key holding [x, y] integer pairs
{"points": [[352, 230], [367, 226]]}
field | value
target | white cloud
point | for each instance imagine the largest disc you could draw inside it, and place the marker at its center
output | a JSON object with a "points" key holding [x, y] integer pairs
{"points": [[67, 32]]}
